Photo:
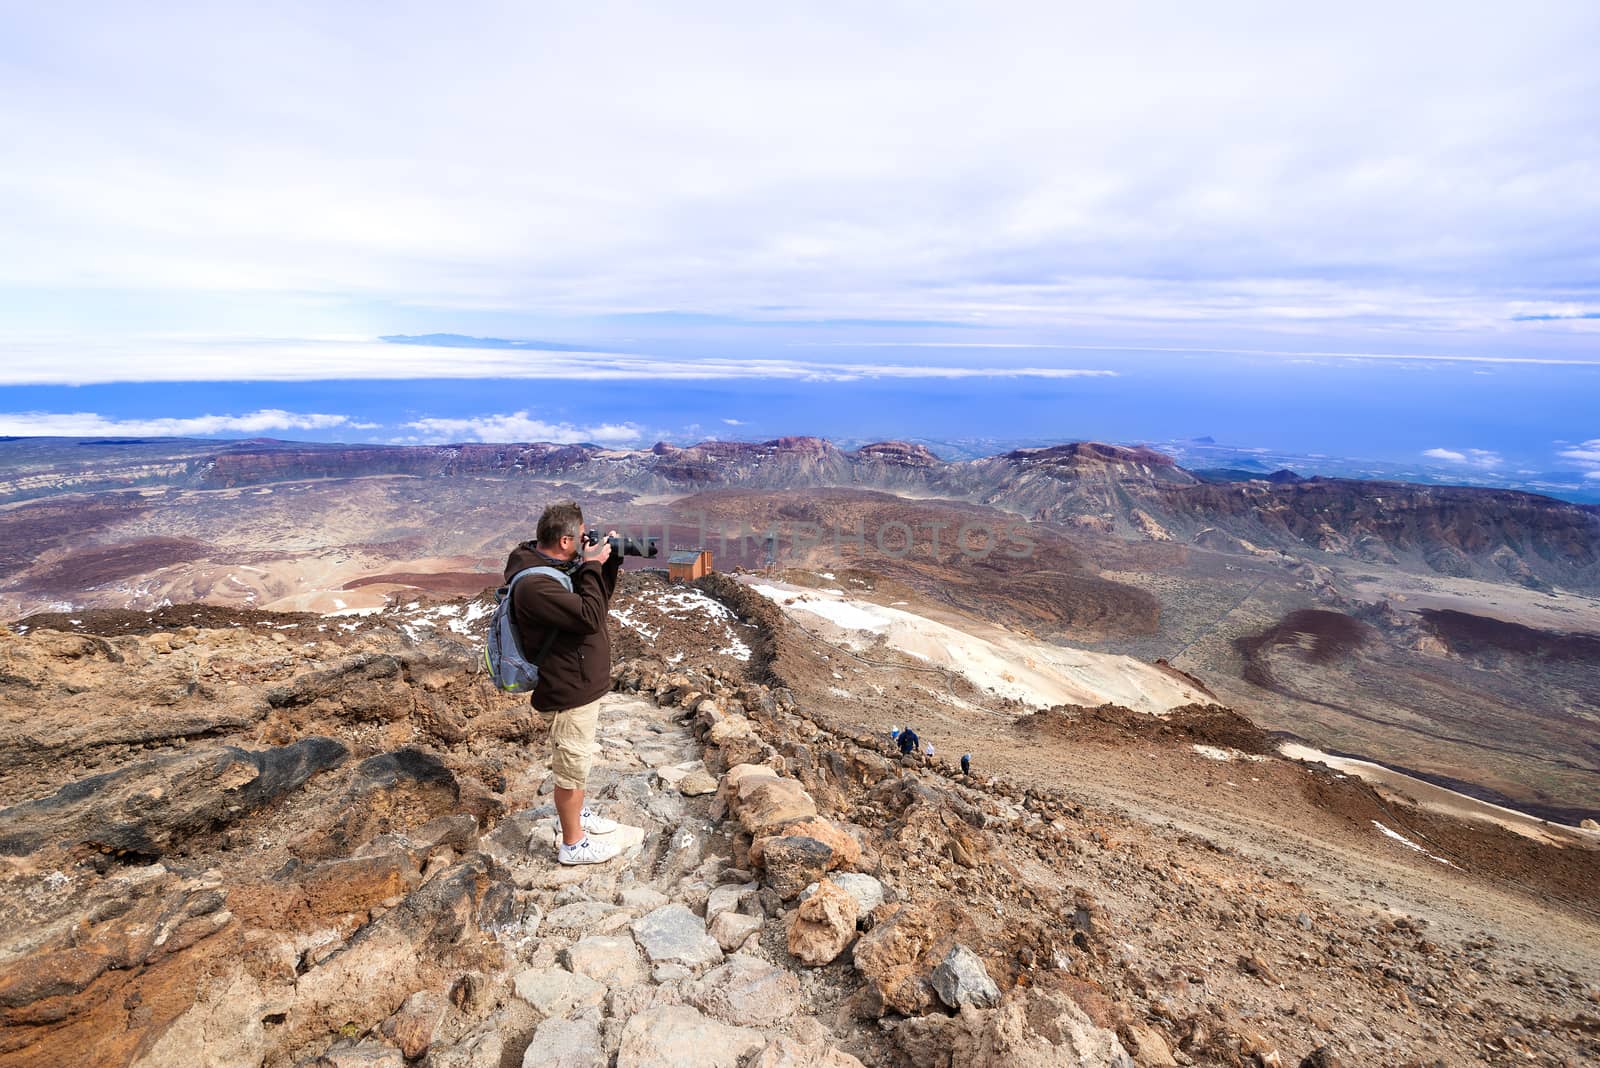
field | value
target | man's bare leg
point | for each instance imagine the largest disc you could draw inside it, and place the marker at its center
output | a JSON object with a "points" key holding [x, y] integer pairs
{"points": [[569, 806]]}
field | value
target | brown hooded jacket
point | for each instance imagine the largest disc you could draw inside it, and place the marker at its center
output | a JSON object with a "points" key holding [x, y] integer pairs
{"points": [[577, 669]]}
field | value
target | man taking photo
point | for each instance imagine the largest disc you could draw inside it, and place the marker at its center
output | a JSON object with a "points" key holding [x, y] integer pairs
{"points": [[576, 671]]}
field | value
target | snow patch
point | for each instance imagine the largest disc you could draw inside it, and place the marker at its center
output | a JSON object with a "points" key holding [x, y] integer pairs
{"points": [[1409, 844], [1214, 752]]}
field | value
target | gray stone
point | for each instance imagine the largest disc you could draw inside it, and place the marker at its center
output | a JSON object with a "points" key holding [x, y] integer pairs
{"points": [[733, 929], [685, 851], [671, 775], [673, 933], [669, 973], [677, 1036], [578, 917], [747, 991], [569, 894], [609, 959], [643, 898], [481, 1048], [961, 979], [556, 991], [628, 1001], [867, 891], [728, 898], [566, 1044]]}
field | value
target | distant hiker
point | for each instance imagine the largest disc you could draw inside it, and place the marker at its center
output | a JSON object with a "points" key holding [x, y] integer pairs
{"points": [[894, 734], [928, 750], [966, 763], [575, 671], [908, 741]]}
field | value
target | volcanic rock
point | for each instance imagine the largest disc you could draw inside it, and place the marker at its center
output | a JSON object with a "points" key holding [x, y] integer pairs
{"points": [[823, 924], [672, 933], [961, 979], [747, 992], [678, 1036]]}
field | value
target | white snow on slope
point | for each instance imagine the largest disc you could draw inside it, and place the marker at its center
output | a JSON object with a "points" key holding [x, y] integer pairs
{"points": [[993, 658], [682, 604], [1408, 843]]}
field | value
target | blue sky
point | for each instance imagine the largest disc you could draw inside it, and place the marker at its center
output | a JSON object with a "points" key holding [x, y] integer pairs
{"points": [[210, 216]]}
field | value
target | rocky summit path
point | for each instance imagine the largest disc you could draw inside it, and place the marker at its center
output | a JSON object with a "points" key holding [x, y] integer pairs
{"points": [[298, 842]]}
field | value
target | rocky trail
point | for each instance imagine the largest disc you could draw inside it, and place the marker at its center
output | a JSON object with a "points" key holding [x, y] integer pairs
{"points": [[245, 839]]}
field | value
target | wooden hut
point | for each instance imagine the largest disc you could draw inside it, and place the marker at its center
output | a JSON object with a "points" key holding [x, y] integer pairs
{"points": [[686, 565]]}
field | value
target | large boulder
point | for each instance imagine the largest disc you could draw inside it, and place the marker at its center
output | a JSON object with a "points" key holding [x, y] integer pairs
{"points": [[867, 890], [410, 947], [387, 793], [896, 957], [144, 809], [794, 862], [823, 924], [846, 849], [762, 801], [556, 991]]}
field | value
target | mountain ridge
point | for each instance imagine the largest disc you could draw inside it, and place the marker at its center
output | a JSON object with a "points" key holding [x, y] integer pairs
{"points": [[1134, 492]]}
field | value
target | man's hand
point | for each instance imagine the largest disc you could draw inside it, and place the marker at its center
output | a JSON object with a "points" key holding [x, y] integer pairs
{"points": [[600, 551]]}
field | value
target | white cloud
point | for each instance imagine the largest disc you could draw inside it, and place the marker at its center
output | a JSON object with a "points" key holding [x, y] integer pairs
{"points": [[1586, 453], [1124, 164], [1295, 355], [1595, 474], [1475, 457], [34, 360], [736, 422], [91, 425], [519, 426]]}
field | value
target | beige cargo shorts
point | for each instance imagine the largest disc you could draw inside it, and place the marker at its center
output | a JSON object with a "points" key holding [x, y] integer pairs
{"points": [[572, 744]]}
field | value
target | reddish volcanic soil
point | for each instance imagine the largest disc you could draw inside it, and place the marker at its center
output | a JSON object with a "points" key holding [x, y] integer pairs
{"points": [[1470, 634], [91, 567], [445, 583], [28, 531], [1326, 636]]}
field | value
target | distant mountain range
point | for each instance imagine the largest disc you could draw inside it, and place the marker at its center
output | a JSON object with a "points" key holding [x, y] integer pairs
{"points": [[1138, 492]]}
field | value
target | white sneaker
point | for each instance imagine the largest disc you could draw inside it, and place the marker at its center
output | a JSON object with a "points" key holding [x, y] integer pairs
{"points": [[594, 823], [587, 851]]}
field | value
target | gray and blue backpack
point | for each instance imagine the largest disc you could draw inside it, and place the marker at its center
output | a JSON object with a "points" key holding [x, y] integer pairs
{"points": [[502, 654]]}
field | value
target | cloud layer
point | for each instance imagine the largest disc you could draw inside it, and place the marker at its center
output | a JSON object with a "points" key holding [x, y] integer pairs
{"points": [[1474, 457], [304, 167], [185, 359], [518, 426], [93, 425], [1587, 455]]}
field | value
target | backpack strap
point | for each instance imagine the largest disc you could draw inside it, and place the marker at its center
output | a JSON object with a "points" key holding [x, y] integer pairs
{"points": [[511, 605]]}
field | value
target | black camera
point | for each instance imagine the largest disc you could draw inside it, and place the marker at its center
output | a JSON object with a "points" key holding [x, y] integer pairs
{"points": [[623, 546]]}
